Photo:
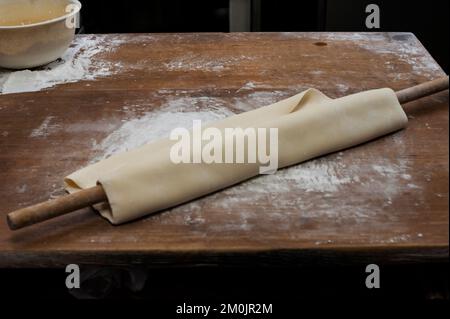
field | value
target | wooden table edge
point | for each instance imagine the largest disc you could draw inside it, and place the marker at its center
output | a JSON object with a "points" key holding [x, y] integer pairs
{"points": [[327, 255]]}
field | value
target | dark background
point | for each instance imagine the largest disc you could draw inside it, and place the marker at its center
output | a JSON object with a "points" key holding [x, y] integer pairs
{"points": [[428, 20], [288, 287]]}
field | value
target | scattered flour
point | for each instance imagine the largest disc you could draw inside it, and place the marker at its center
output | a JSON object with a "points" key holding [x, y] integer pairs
{"points": [[256, 99], [248, 86], [316, 180], [175, 112], [46, 128], [395, 239], [179, 112], [342, 88], [79, 63], [404, 46], [195, 62]]}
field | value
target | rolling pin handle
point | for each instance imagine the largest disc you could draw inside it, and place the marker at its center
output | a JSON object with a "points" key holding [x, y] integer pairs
{"points": [[44, 211], [422, 90]]}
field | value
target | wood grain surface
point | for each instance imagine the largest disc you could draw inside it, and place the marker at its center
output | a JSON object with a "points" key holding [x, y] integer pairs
{"points": [[384, 201]]}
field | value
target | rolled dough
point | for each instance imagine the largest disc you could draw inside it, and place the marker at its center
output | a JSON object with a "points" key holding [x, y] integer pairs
{"points": [[310, 124]]}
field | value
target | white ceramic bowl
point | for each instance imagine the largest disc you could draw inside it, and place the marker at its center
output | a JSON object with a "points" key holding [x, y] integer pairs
{"points": [[35, 32]]}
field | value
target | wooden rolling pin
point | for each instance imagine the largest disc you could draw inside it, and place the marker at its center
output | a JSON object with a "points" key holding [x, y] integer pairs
{"points": [[91, 196]]}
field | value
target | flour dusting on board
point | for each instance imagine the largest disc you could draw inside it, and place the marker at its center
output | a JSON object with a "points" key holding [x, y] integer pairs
{"points": [[175, 112], [196, 62], [403, 46], [319, 182], [46, 128], [79, 63], [178, 112]]}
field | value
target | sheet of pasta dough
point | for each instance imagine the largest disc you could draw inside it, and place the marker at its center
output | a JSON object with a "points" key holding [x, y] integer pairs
{"points": [[310, 124]]}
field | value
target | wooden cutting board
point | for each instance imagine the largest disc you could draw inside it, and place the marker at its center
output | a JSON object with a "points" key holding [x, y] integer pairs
{"points": [[384, 201]]}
